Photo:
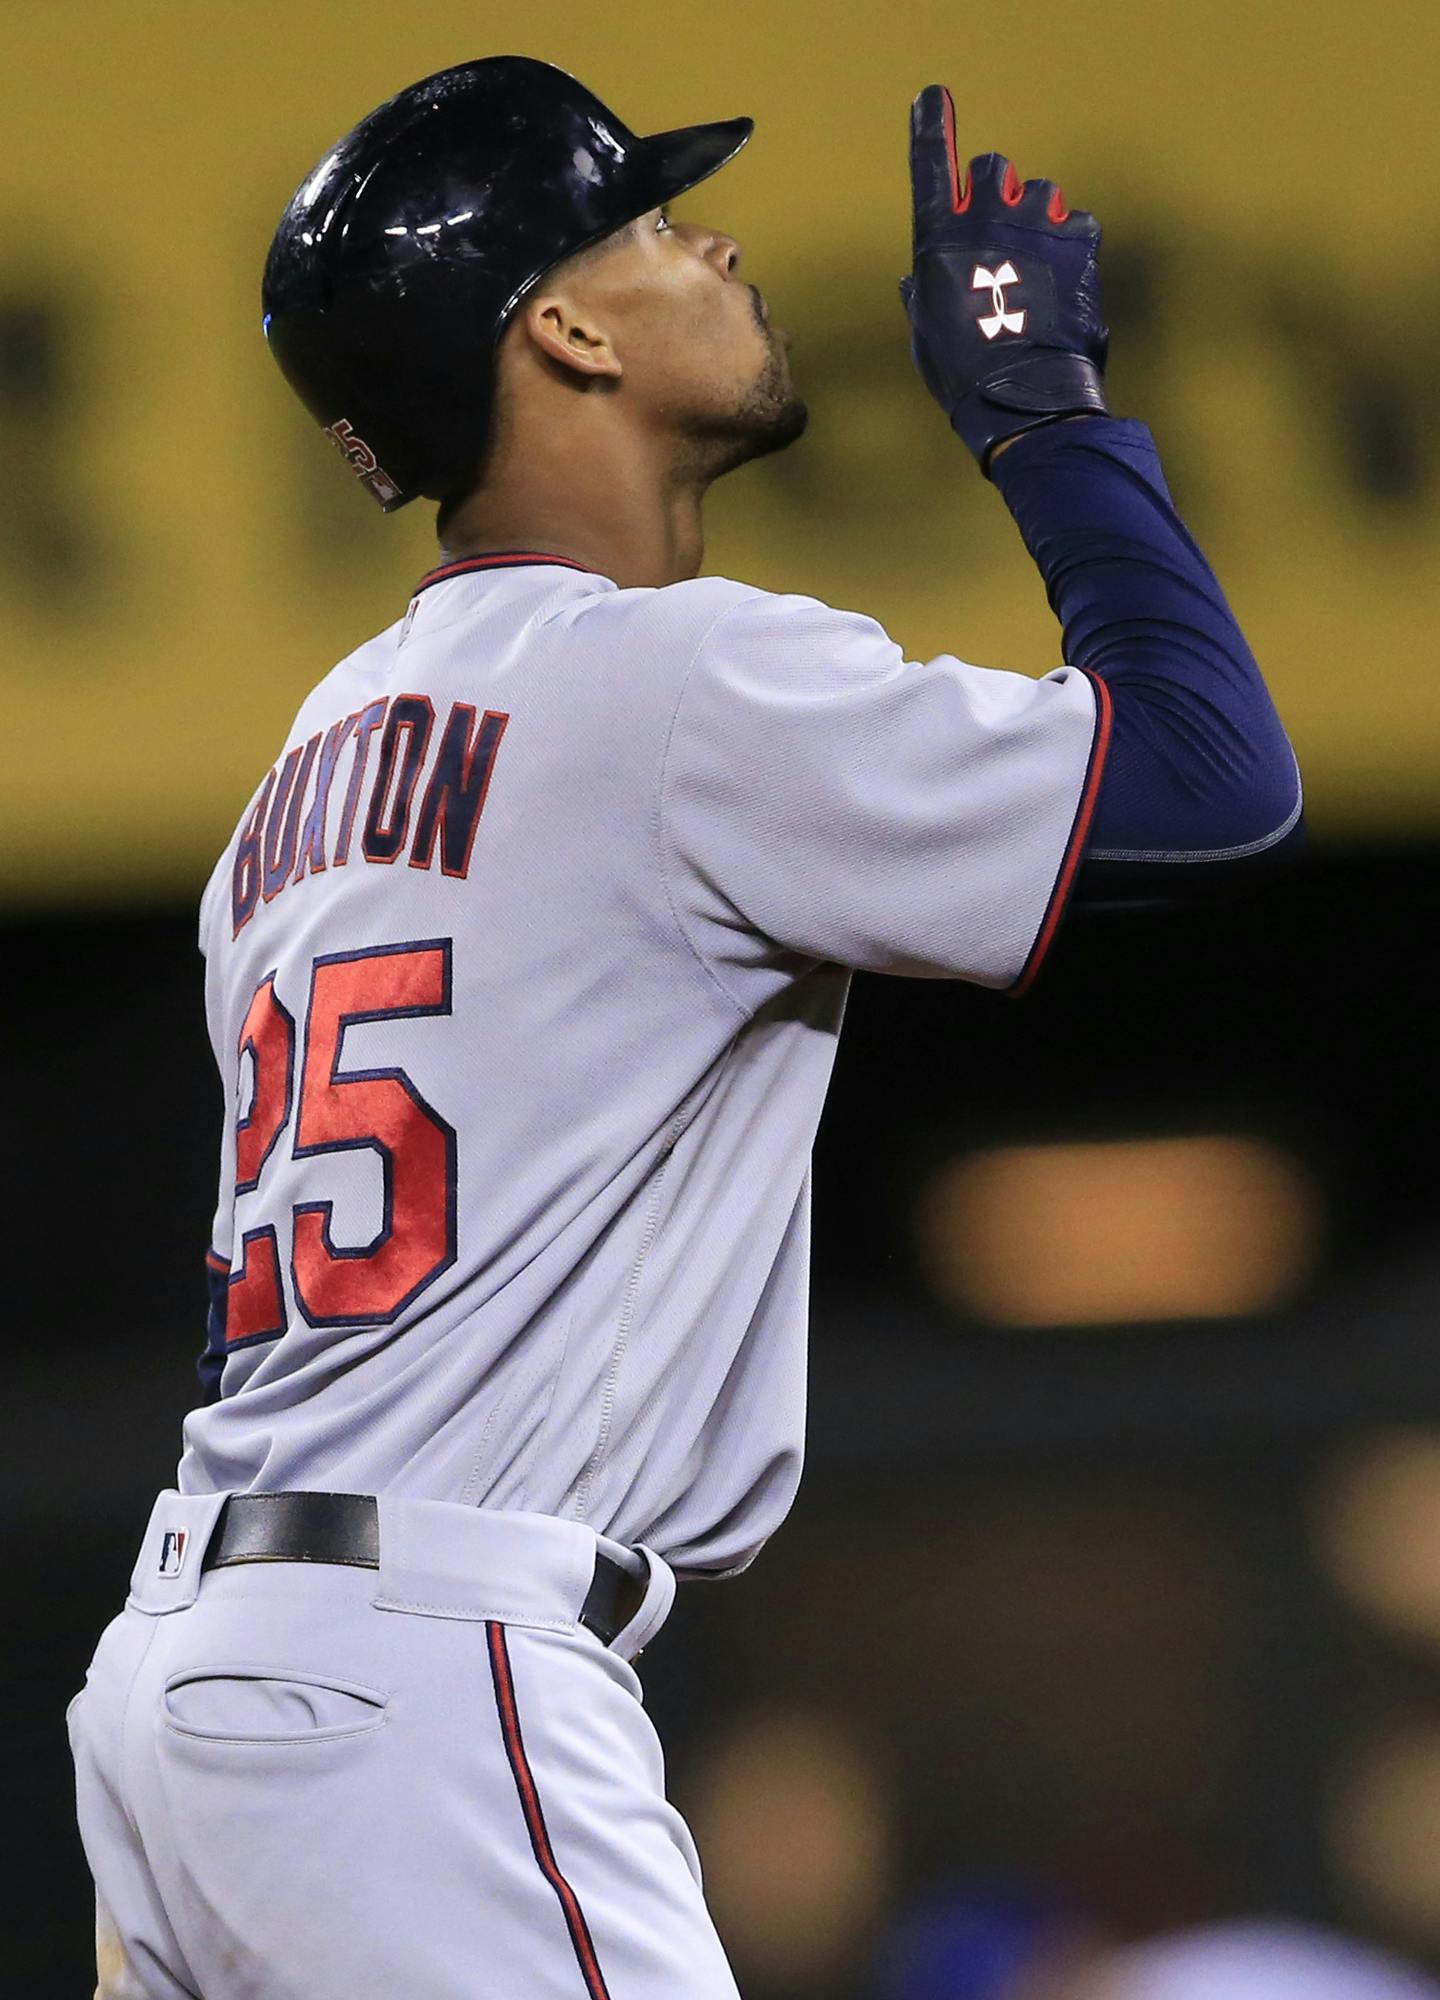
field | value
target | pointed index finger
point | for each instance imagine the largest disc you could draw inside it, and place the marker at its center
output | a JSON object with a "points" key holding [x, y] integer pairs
{"points": [[934, 175]]}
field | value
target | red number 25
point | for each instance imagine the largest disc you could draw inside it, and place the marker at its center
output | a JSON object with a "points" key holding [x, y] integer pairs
{"points": [[341, 1111]]}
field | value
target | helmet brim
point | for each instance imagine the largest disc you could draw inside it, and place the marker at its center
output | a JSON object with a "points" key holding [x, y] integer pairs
{"points": [[670, 162]]}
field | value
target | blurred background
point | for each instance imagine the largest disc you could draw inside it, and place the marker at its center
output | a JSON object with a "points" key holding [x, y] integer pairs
{"points": [[1111, 1606]]}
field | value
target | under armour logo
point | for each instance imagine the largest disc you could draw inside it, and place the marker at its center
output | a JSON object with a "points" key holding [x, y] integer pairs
{"points": [[1001, 320], [172, 1550]]}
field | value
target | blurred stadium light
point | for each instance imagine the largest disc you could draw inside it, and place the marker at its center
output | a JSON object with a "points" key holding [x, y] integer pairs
{"points": [[1385, 1827], [1108, 1232], [1377, 1527], [795, 1827]]}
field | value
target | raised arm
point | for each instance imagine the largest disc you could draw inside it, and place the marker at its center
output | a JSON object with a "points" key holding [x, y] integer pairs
{"points": [[1199, 780]]}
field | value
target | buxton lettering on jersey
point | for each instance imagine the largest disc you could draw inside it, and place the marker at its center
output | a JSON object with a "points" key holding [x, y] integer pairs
{"points": [[278, 846]]}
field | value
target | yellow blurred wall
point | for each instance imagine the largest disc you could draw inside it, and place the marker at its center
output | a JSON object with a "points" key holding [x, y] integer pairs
{"points": [[182, 555]]}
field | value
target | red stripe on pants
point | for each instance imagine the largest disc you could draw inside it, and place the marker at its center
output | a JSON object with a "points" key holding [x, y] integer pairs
{"points": [[575, 1922]]}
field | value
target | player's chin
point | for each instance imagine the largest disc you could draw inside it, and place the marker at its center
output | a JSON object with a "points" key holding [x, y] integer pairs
{"points": [[728, 443], [783, 424], [766, 417]]}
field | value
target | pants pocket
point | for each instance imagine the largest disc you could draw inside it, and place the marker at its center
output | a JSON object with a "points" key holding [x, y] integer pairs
{"points": [[258, 1705]]}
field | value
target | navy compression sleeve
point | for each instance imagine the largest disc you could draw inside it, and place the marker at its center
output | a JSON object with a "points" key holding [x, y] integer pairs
{"points": [[1200, 776]]}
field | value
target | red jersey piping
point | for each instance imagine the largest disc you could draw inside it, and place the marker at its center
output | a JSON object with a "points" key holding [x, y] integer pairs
{"points": [[504, 559], [1075, 845]]}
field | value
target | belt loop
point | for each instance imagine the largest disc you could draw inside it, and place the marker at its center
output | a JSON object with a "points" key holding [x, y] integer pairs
{"points": [[655, 1606], [443, 1560]]}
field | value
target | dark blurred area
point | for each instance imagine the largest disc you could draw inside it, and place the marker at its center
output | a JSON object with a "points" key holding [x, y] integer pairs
{"points": [[1138, 1609]]}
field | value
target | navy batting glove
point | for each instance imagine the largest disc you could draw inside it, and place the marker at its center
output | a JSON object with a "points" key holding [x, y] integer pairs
{"points": [[1004, 294]]}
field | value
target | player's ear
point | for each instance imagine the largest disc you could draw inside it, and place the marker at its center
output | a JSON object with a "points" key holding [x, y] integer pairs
{"points": [[569, 333]]}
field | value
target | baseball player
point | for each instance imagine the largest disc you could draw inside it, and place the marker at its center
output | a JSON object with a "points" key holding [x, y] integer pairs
{"points": [[525, 967]]}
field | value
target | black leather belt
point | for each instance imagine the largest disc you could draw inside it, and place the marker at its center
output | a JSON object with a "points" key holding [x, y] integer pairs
{"points": [[345, 1528]]}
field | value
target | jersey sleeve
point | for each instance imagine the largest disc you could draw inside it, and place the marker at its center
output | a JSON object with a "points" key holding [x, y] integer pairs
{"points": [[825, 794]]}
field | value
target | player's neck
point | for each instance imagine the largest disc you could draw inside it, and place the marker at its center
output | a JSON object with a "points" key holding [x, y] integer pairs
{"points": [[602, 502]]}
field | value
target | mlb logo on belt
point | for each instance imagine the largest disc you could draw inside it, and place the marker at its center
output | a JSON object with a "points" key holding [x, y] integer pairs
{"points": [[173, 1544]]}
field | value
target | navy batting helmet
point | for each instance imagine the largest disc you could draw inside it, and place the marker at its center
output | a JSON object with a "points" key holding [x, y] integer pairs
{"points": [[402, 257]]}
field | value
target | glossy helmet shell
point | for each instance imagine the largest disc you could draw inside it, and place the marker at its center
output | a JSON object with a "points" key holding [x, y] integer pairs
{"points": [[403, 255]]}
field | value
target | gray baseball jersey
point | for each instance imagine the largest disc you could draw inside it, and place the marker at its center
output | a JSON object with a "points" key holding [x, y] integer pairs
{"points": [[525, 969]]}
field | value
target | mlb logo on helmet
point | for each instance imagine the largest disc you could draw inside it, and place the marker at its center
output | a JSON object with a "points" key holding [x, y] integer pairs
{"points": [[173, 1544]]}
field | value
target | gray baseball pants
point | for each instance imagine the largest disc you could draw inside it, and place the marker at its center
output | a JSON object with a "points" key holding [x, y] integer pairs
{"points": [[300, 1781]]}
